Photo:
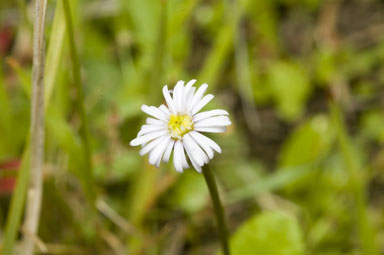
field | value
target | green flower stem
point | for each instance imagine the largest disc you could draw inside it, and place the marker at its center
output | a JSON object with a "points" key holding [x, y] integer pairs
{"points": [[218, 208]]}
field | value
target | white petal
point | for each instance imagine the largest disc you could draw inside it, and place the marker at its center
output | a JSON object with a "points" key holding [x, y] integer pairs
{"points": [[169, 100], [146, 138], [153, 121], [168, 151], [178, 96], [146, 129], [177, 156], [202, 103], [203, 144], [157, 164], [155, 112], [206, 140], [194, 163], [164, 109], [186, 93], [190, 95], [190, 84], [156, 154], [198, 154], [193, 155], [184, 160], [197, 97], [211, 129], [150, 146], [207, 114], [213, 121]]}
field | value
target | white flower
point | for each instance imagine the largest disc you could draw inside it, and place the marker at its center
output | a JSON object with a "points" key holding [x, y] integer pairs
{"points": [[178, 126]]}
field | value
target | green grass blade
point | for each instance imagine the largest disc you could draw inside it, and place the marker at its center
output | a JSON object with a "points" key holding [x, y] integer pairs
{"points": [[55, 51], [80, 105], [17, 205], [216, 59], [366, 232], [6, 120]]}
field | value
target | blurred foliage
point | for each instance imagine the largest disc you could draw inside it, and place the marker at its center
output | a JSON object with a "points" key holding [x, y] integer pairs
{"points": [[301, 170], [260, 234]]}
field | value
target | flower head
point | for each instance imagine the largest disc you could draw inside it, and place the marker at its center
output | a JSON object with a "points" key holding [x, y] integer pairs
{"points": [[178, 128]]}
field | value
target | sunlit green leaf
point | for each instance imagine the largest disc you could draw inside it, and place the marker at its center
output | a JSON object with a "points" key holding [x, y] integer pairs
{"points": [[268, 233]]}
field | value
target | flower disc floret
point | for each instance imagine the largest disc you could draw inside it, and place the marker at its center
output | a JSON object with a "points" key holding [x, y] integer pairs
{"points": [[179, 125]]}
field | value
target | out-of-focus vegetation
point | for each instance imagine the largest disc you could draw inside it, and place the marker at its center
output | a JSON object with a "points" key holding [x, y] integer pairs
{"points": [[302, 165]]}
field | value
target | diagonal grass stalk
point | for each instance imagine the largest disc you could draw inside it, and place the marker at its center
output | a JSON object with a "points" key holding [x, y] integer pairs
{"points": [[213, 64], [223, 45], [243, 69]]}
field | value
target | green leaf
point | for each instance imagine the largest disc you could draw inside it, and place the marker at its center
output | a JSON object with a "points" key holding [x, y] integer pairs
{"points": [[307, 145], [190, 193], [372, 123], [326, 65], [308, 142], [290, 88], [268, 233]]}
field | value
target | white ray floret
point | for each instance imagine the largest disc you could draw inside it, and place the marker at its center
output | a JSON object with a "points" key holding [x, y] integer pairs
{"points": [[177, 127]]}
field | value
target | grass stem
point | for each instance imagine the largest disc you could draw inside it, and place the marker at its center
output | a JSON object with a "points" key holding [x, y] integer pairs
{"points": [[35, 189]]}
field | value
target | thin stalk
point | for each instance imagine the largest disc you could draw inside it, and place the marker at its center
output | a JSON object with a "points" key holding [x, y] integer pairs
{"points": [[17, 204], [158, 65], [6, 116], [218, 56], [366, 233], [243, 69], [87, 180], [35, 188], [218, 208]]}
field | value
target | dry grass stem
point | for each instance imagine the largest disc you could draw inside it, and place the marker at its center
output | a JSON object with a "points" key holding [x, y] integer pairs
{"points": [[34, 192]]}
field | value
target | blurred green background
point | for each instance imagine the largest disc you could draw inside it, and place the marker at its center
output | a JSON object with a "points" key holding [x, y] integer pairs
{"points": [[301, 170]]}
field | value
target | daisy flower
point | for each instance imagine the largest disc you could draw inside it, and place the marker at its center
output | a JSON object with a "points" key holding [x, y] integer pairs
{"points": [[178, 126]]}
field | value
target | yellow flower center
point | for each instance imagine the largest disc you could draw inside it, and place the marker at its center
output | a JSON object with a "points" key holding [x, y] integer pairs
{"points": [[179, 125]]}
